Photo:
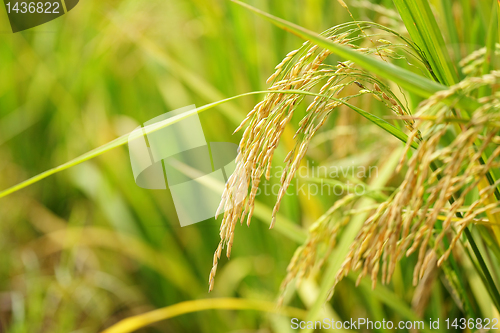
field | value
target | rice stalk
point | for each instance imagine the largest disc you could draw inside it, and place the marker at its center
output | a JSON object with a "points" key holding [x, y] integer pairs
{"points": [[305, 70], [430, 203], [406, 223]]}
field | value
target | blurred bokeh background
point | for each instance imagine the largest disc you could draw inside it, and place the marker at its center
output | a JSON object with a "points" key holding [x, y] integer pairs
{"points": [[86, 247]]}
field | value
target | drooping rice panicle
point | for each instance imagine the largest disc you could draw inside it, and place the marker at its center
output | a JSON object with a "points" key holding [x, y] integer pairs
{"points": [[303, 69]]}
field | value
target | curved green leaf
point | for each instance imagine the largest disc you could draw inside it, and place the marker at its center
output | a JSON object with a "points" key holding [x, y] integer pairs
{"points": [[122, 140]]}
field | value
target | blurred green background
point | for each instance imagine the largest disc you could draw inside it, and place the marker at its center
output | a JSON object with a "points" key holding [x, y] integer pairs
{"points": [[85, 248]]}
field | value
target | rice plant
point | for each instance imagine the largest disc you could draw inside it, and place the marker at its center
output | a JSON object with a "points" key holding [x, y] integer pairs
{"points": [[450, 162], [408, 86]]}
